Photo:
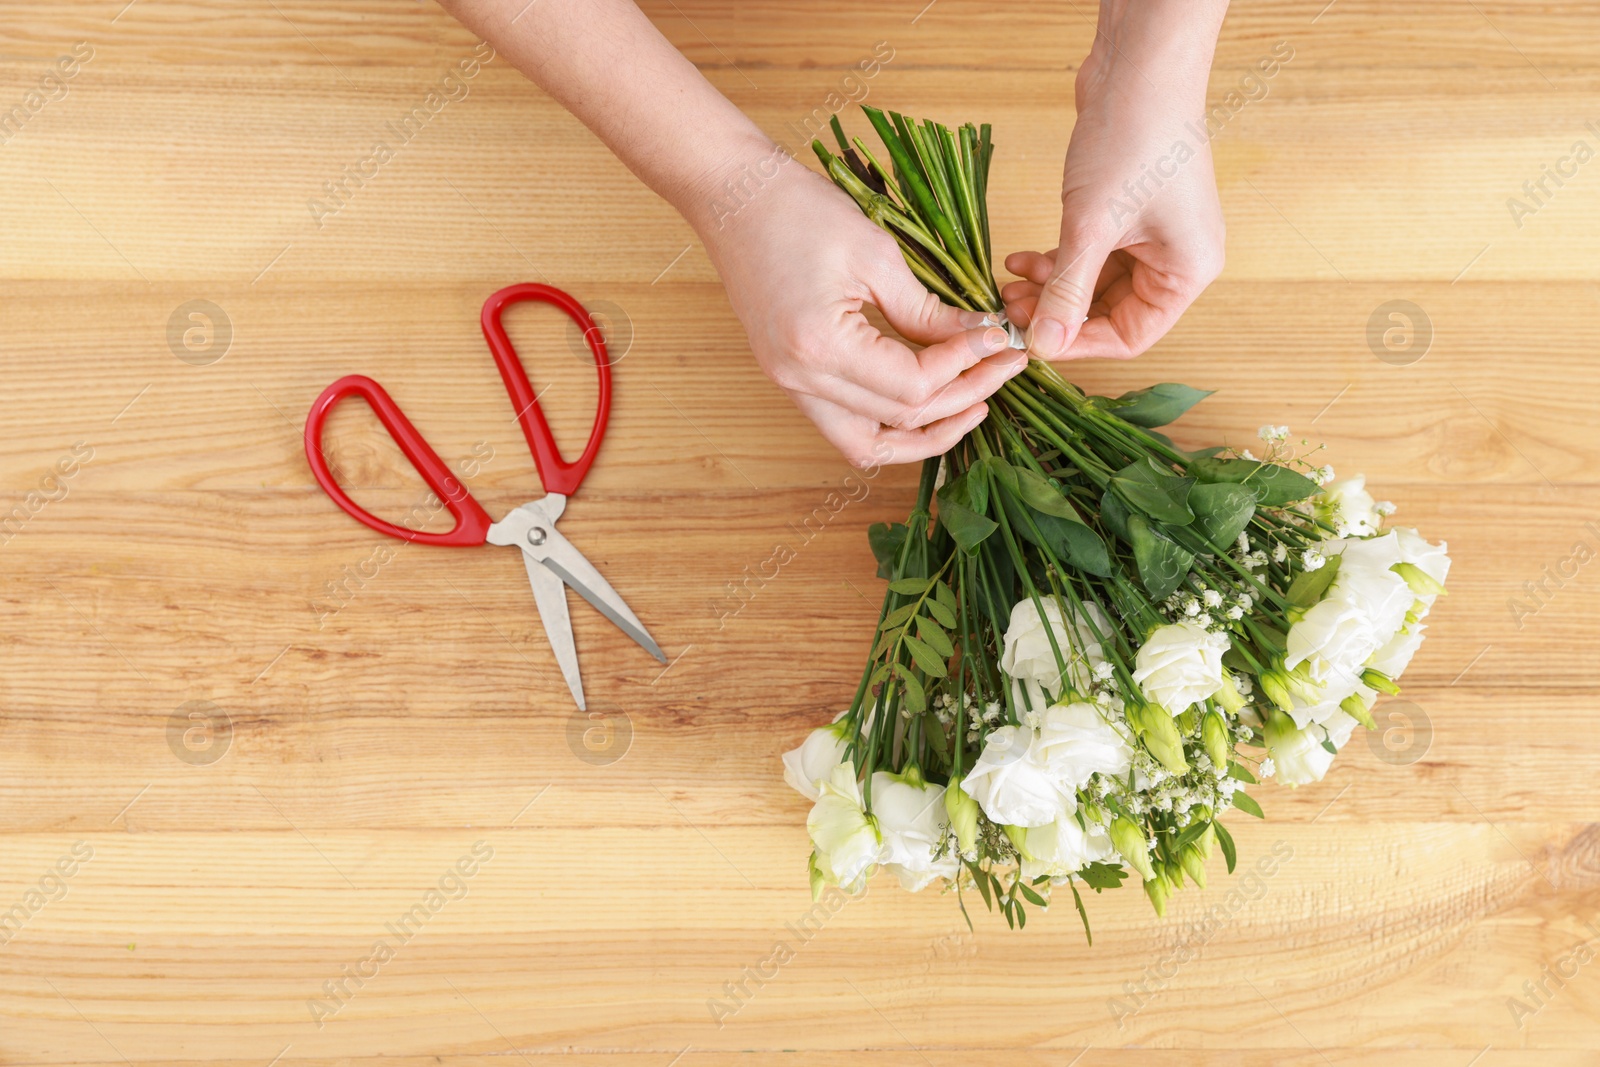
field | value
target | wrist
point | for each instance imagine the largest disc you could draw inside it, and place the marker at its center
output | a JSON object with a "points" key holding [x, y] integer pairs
{"points": [[1157, 48], [724, 181]]}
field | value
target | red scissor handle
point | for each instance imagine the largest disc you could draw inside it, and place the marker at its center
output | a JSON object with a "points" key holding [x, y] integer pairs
{"points": [[557, 474], [472, 522]]}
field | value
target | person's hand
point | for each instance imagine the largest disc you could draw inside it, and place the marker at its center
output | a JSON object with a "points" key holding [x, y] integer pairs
{"points": [[799, 261], [1141, 226]]}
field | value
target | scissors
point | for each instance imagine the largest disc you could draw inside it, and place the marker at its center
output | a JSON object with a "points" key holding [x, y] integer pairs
{"points": [[551, 560]]}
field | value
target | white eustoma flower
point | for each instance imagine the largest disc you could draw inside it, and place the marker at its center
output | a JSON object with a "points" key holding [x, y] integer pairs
{"points": [[1432, 559], [1352, 509], [1305, 713], [1062, 847], [913, 824], [821, 751], [1393, 658], [1012, 784], [1339, 727], [1334, 639], [1076, 742], [1180, 664], [846, 838], [1366, 580], [1330, 705], [1297, 755], [1026, 653]]}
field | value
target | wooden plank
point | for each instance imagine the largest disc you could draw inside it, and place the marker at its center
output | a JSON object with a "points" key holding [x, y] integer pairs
{"points": [[374, 717]]}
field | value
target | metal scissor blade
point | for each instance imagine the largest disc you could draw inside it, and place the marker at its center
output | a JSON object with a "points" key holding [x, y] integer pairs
{"points": [[550, 596], [565, 560]]}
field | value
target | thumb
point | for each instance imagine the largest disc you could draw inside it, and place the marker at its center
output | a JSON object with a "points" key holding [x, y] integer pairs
{"points": [[916, 314], [1065, 297]]}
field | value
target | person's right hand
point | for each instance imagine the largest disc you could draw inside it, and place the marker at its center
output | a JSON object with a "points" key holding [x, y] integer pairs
{"points": [[799, 260]]}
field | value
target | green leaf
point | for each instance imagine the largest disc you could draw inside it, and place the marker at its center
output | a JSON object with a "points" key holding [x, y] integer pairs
{"points": [[1221, 512], [1189, 833], [1309, 587], [1273, 485], [992, 470], [1040, 494], [1114, 513], [1076, 544], [916, 696], [967, 528], [897, 617], [1032, 895], [1098, 876], [930, 661], [1241, 772], [972, 487], [962, 501], [934, 637], [1156, 405], [909, 586], [944, 595], [1077, 899], [945, 616], [1247, 804], [1070, 540], [886, 540], [1225, 839], [1153, 489], [998, 583], [1162, 562], [980, 878]]}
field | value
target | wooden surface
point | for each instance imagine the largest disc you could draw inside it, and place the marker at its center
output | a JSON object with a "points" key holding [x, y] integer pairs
{"points": [[369, 739]]}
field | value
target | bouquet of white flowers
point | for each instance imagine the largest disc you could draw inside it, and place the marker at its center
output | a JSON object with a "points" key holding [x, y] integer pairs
{"points": [[1092, 639]]}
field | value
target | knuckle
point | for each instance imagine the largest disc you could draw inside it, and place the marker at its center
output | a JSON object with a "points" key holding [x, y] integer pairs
{"points": [[863, 453], [882, 251], [785, 376], [1064, 288], [1209, 262], [903, 418], [919, 395]]}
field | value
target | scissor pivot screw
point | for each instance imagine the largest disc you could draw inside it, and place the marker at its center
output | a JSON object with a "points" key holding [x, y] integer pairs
{"points": [[536, 536]]}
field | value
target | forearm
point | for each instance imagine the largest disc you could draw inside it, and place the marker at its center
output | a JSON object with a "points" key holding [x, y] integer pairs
{"points": [[606, 63], [1163, 47]]}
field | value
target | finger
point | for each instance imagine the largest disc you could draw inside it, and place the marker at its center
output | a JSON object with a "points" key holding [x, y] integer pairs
{"points": [[1131, 325], [972, 386], [1036, 269], [1013, 291], [1066, 296], [855, 437], [1020, 309], [891, 370], [908, 446], [910, 308], [1034, 266], [878, 379], [865, 444]]}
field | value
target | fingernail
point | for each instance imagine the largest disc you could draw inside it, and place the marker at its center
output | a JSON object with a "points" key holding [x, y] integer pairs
{"points": [[970, 320], [994, 338], [1047, 338]]}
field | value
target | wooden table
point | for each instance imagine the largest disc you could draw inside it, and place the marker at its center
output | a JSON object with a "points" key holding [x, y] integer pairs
{"points": [[259, 741]]}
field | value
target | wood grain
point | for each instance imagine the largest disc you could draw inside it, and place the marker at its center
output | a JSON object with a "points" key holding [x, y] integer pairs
{"points": [[378, 717]]}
